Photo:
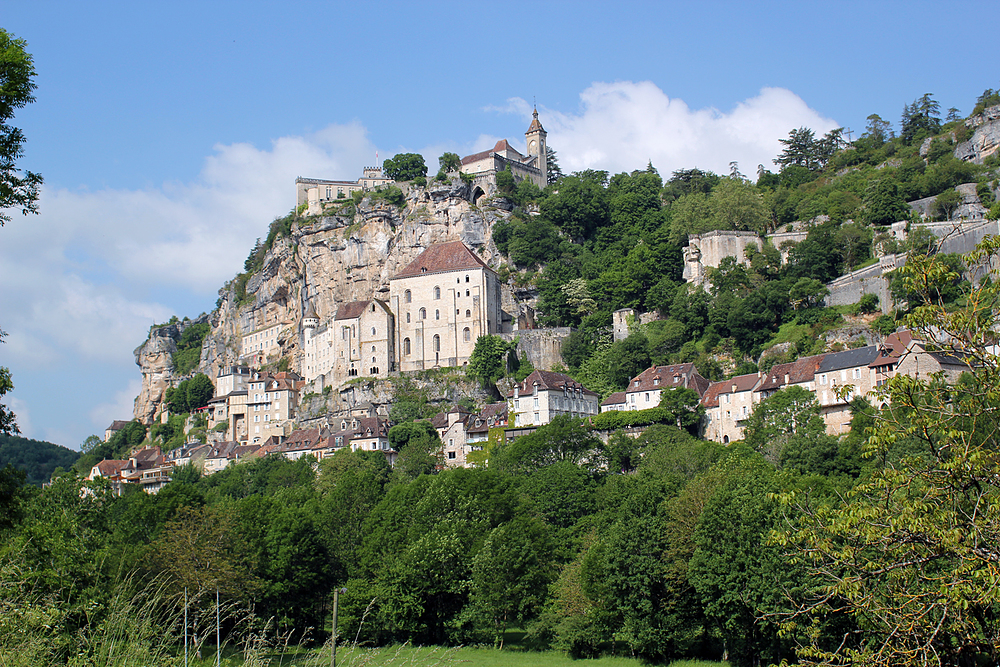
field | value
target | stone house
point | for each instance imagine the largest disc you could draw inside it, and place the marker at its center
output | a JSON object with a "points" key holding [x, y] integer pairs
{"points": [[841, 369], [260, 344], [545, 394], [884, 365], [441, 303], [116, 426], [919, 363], [615, 401], [728, 403], [645, 388], [451, 428], [359, 341]]}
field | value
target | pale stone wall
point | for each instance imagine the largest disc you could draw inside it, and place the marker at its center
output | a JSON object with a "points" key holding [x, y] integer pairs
{"points": [[709, 249], [539, 408], [543, 347], [836, 413], [260, 343], [440, 315]]}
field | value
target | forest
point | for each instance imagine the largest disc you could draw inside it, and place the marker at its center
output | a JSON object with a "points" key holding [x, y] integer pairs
{"points": [[878, 548]]}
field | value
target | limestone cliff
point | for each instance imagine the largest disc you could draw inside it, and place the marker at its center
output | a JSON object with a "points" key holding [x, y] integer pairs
{"points": [[155, 358], [985, 139], [349, 255]]}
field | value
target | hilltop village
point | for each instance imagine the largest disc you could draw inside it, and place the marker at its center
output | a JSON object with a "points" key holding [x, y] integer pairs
{"points": [[376, 281]]}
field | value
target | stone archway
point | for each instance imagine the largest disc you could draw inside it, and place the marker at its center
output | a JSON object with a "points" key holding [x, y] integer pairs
{"points": [[477, 194]]}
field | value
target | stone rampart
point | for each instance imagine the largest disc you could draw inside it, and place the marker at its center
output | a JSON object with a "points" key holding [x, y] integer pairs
{"points": [[542, 346]]}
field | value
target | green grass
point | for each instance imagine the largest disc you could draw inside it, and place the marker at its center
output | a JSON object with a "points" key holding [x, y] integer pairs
{"points": [[398, 656]]}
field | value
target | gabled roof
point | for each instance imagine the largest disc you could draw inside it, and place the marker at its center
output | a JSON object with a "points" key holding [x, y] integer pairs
{"points": [[117, 425], [617, 398], [836, 361], [111, 467], [303, 438], [500, 147], [442, 257], [892, 349], [799, 371], [351, 310], [661, 377], [549, 380], [733, 385]]}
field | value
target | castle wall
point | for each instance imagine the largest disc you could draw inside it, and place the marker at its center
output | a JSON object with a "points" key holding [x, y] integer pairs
{"points": [[543, 347]]}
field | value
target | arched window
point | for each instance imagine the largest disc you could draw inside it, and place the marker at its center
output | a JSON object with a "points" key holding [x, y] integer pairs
{"points": [[437, 292], [437, 314], [407, 296], [466, 277], [373, 349], [423, 313], [407, 318], [373, 310], [468, 313], [437, 343], [466, 334], [406, 346], [466, 292], [373, 331]]}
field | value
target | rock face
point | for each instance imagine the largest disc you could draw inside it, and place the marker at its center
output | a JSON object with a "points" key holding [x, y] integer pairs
{"points": [[985, 139], [327, 261], [155, 358]]}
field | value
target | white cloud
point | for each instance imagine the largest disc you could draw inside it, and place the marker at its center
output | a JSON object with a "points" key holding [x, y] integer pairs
{"points": [[119, 407], [623, 125], [21, 415]]}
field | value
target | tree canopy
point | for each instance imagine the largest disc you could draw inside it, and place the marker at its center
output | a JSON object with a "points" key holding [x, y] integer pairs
{"points": [[405, 166]]}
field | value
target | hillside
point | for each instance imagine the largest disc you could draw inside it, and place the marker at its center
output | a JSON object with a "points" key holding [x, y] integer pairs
{"points": [[591, 244], [35, 457]]}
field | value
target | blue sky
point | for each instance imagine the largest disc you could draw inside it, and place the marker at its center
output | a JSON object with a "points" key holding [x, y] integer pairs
{"points": [[169, 134]]}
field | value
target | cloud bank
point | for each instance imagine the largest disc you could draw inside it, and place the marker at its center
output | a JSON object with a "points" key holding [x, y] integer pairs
{"points": [[622, 126]]}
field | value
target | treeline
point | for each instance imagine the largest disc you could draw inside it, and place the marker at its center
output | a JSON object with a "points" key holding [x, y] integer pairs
{"points": [[594, 243], [38, 459]]}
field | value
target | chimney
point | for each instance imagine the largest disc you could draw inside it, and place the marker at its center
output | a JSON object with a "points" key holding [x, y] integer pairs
{"points": [[786, 378]]}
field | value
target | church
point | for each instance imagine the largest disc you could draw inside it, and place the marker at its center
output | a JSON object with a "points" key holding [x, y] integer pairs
{"points": [[484, 166], [438, 305]]}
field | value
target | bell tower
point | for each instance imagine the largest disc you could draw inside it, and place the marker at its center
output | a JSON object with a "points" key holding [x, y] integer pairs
{"points": [[535, 140]]}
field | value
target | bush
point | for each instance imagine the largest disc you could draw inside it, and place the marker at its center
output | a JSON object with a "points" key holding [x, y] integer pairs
{"points": [[867, 305], [885, 325]]}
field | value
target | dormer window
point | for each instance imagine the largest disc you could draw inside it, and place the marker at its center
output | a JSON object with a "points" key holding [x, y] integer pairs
{"points": [[656, 381]]}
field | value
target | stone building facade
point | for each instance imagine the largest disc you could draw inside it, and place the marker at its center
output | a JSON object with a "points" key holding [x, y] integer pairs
{"points": [[485, 165], [316, 193], [441, 303]]}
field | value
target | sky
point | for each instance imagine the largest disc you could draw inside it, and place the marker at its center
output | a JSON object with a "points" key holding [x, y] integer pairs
{"points": [[170, 134]]}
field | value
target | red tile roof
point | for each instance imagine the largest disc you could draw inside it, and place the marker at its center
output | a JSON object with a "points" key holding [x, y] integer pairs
{"points": [[802, 370], [892, 349], [549, 380], [616, 398], [686, 374], [350, 311], [441, 257], [500, 146]]}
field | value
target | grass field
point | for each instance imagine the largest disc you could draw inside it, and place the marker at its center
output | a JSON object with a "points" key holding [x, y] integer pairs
{"points": [[410, 656]]}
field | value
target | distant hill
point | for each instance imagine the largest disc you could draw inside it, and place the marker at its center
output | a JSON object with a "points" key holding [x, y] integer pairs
{"points": [[37, 458]]}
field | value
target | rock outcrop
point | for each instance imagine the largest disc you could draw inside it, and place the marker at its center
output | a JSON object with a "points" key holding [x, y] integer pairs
{"points": [[328, 261], [985, 139]]}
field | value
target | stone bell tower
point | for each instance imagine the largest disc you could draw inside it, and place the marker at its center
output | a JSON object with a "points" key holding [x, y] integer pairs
{"points": [[535, 140]]}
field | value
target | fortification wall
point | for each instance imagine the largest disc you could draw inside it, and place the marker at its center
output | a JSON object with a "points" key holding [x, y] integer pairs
{"points": [[542, 346]]}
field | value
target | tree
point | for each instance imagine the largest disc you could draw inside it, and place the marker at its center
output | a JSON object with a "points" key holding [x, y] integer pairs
{"points": [[17, 71], [450, 162], [909, 558], [552, 170], [562, 439], [405, 166], [488, 361], [801, 149], [946, 203], [883, 205], [786, 413], [685, 407], [419, 448]]}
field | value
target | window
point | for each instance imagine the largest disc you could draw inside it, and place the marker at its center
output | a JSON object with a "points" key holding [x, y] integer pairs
{"points": [[437, 314], [407, 318], [423, 313], [466, 292], [468, 313], [466, 277], [406, 346], [407, 296], [466, 334], [373, 331], [451, 455], [437, 292], [437, 343]]}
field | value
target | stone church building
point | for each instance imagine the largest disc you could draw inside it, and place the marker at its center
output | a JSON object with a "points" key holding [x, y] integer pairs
{"points": [[485, 165]]}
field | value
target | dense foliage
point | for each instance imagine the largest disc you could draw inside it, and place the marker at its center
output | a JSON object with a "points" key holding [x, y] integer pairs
{"points": [[38, 459]]}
